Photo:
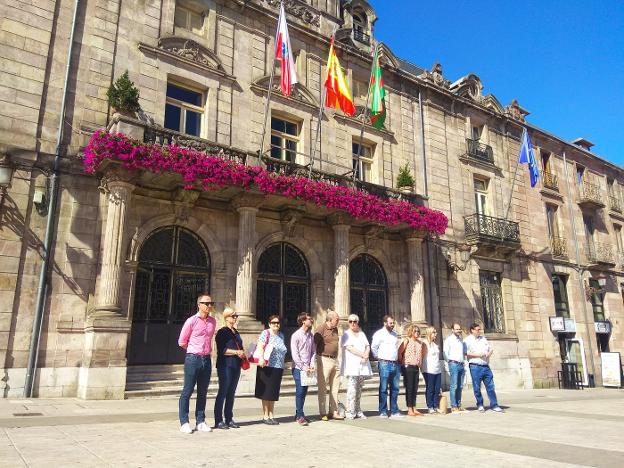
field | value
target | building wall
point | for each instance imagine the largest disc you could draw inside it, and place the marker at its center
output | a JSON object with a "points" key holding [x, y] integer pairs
{"points": [[113, 36]]}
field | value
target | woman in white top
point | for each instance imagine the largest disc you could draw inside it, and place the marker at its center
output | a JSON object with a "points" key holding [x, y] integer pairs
{"points": [[355, 365], [432, 371]]}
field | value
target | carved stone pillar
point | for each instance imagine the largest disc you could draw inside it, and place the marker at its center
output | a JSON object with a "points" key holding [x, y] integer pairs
{"points": [[247, 207], [107, 299], [414, 241], [339, 223]]}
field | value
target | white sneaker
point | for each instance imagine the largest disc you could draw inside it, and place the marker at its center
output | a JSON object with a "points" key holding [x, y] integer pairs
{"points": [[383, 415], [349, 416], [203, 427], [498, 409], [361, 415], [397, 415], [186, 428], [481, 409]]}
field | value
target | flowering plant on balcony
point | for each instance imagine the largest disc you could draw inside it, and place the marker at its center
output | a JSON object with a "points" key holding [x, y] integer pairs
{"points": [[198, 169]]}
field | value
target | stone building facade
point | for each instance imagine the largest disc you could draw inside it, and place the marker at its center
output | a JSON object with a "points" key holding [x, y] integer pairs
{"points": [[132, 250]]}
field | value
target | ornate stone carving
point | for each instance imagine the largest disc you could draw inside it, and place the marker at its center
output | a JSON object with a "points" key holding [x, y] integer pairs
{"points": [[183, 202], [247, 200], [289, 220], [361, 116], [190, 50], [469, 86], [436, 76], [514, 111], [299, 91], [298, 9], [371, 235], [339, 218]]}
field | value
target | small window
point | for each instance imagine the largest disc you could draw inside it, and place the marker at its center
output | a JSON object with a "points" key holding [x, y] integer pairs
{"points": [[476, 132], [481, 196], [362, 160], [551, 217], [183, 110], [559, 283], [284, 139], [188, 19], [597, 300]]}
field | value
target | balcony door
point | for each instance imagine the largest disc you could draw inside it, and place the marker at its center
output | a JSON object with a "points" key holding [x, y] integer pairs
{"points": [[588, 224], [481, 196]]}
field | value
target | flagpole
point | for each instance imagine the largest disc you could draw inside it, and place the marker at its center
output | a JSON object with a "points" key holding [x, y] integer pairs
{"points": [[268, 102], [513, 181], [375, 55]]}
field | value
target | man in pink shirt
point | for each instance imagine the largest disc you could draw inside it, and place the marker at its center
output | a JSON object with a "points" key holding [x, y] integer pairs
{"points": [[196, 339]]}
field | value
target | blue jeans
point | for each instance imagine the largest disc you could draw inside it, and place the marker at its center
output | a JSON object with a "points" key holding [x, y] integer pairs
{"points": [[228, 380], [389, 376], [483, 373], [300, 393], [457, 383], [432, 393], [197, 370]]}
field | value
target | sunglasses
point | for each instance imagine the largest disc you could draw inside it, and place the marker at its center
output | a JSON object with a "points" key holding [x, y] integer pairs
{"points": [[353, 321], [274, 323], [209, 303], [234, 316]]}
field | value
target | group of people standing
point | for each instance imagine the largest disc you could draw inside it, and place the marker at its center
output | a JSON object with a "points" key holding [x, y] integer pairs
{"points": [[315, 361]]}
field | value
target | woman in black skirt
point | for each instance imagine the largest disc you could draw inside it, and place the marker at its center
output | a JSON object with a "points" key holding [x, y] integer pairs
{"points": [[269, 372]]}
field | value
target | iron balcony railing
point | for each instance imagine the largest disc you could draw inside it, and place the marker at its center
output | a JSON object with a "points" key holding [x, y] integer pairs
{"points": [[361, 36], [479, 151], [164, 136], [589, 192], [482, 227], [598, 252], [559, 247], [614, 204], [550, 181]]}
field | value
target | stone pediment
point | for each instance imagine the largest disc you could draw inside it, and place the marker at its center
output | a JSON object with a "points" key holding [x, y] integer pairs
{"points": [[298, 9], [492, 103], [299, 92], [387, 58], [188, 51], [469, 86]]}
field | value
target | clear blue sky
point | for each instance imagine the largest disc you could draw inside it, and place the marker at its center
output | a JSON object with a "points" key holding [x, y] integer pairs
{"points": [[562, 60]]}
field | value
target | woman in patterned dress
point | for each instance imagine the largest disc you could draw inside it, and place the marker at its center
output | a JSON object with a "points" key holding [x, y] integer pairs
{"points": [[269, 373]]}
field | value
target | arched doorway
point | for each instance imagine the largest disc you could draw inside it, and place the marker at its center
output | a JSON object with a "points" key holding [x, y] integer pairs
{"points": [[174, 268], [369, 292], [283, 285]]}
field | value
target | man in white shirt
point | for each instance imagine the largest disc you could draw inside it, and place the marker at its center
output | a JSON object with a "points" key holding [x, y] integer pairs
{"points": [[454, 352], [385, 347], [478, 351]]}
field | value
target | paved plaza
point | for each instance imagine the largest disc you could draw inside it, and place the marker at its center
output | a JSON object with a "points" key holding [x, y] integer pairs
{"points": [[546, 428]]}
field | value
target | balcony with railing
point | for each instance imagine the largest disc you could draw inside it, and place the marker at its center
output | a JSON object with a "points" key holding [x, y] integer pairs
{"points": [[493, 236], [590, 195], [550, 181], [559, 247], [361, 36], [599, 253], [164, 136], [615, 204], [478, 151]]}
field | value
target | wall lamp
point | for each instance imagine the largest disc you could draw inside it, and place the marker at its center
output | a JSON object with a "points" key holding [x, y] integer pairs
{"points": [[456, 256]]}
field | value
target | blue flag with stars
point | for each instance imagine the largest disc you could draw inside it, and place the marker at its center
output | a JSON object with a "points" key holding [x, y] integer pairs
{"points": [[527, 156]]}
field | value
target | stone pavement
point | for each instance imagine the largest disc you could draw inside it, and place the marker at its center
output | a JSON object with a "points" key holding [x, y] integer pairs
{"points": [[548, 428]]}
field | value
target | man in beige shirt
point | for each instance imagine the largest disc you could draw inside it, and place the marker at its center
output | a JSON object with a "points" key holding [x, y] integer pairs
{"points": [[328, 374]]}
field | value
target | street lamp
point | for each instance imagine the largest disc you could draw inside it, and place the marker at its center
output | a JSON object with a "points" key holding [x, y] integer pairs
{"points": [[6, 174]]}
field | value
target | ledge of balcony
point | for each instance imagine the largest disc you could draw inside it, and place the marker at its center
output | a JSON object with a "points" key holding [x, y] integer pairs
{"points": [[493, 237]]}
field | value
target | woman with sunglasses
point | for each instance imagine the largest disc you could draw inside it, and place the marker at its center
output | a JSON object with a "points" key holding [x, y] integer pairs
{"points": [[355, 365], [269, 372], [411, 354], [229, 357]]}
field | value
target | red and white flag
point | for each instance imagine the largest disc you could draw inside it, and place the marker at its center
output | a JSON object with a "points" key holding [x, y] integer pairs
{"points": [[283, 53]]}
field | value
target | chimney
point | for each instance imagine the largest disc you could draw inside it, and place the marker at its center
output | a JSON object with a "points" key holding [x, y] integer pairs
{"points": [[583, 143]]}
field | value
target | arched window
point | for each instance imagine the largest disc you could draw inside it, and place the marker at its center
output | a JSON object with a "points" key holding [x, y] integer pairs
{"points": [[173, 269], [369, 291], [283, 284]]}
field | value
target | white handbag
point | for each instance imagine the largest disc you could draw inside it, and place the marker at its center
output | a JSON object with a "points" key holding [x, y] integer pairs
{"points": [[308, 379], [254, 351]]}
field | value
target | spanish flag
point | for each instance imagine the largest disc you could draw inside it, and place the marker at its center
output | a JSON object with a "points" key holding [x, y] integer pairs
{"points": [[337, 94]]}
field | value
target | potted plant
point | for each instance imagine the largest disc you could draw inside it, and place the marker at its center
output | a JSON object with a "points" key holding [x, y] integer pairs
{"points": [[123, 96], [405, 180]]}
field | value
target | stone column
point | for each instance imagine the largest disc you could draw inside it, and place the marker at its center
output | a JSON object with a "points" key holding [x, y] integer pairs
{"points": [[339, 223], [246, 205], [103, 371], [107, 299], [416, 279]]}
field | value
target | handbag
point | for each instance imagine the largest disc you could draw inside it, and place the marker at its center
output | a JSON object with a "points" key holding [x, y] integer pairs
{"points": [[308, 379], [244, 362], [254, 351]]}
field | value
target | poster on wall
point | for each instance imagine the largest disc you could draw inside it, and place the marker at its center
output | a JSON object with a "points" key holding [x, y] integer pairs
{"points": [[611, 369]]}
